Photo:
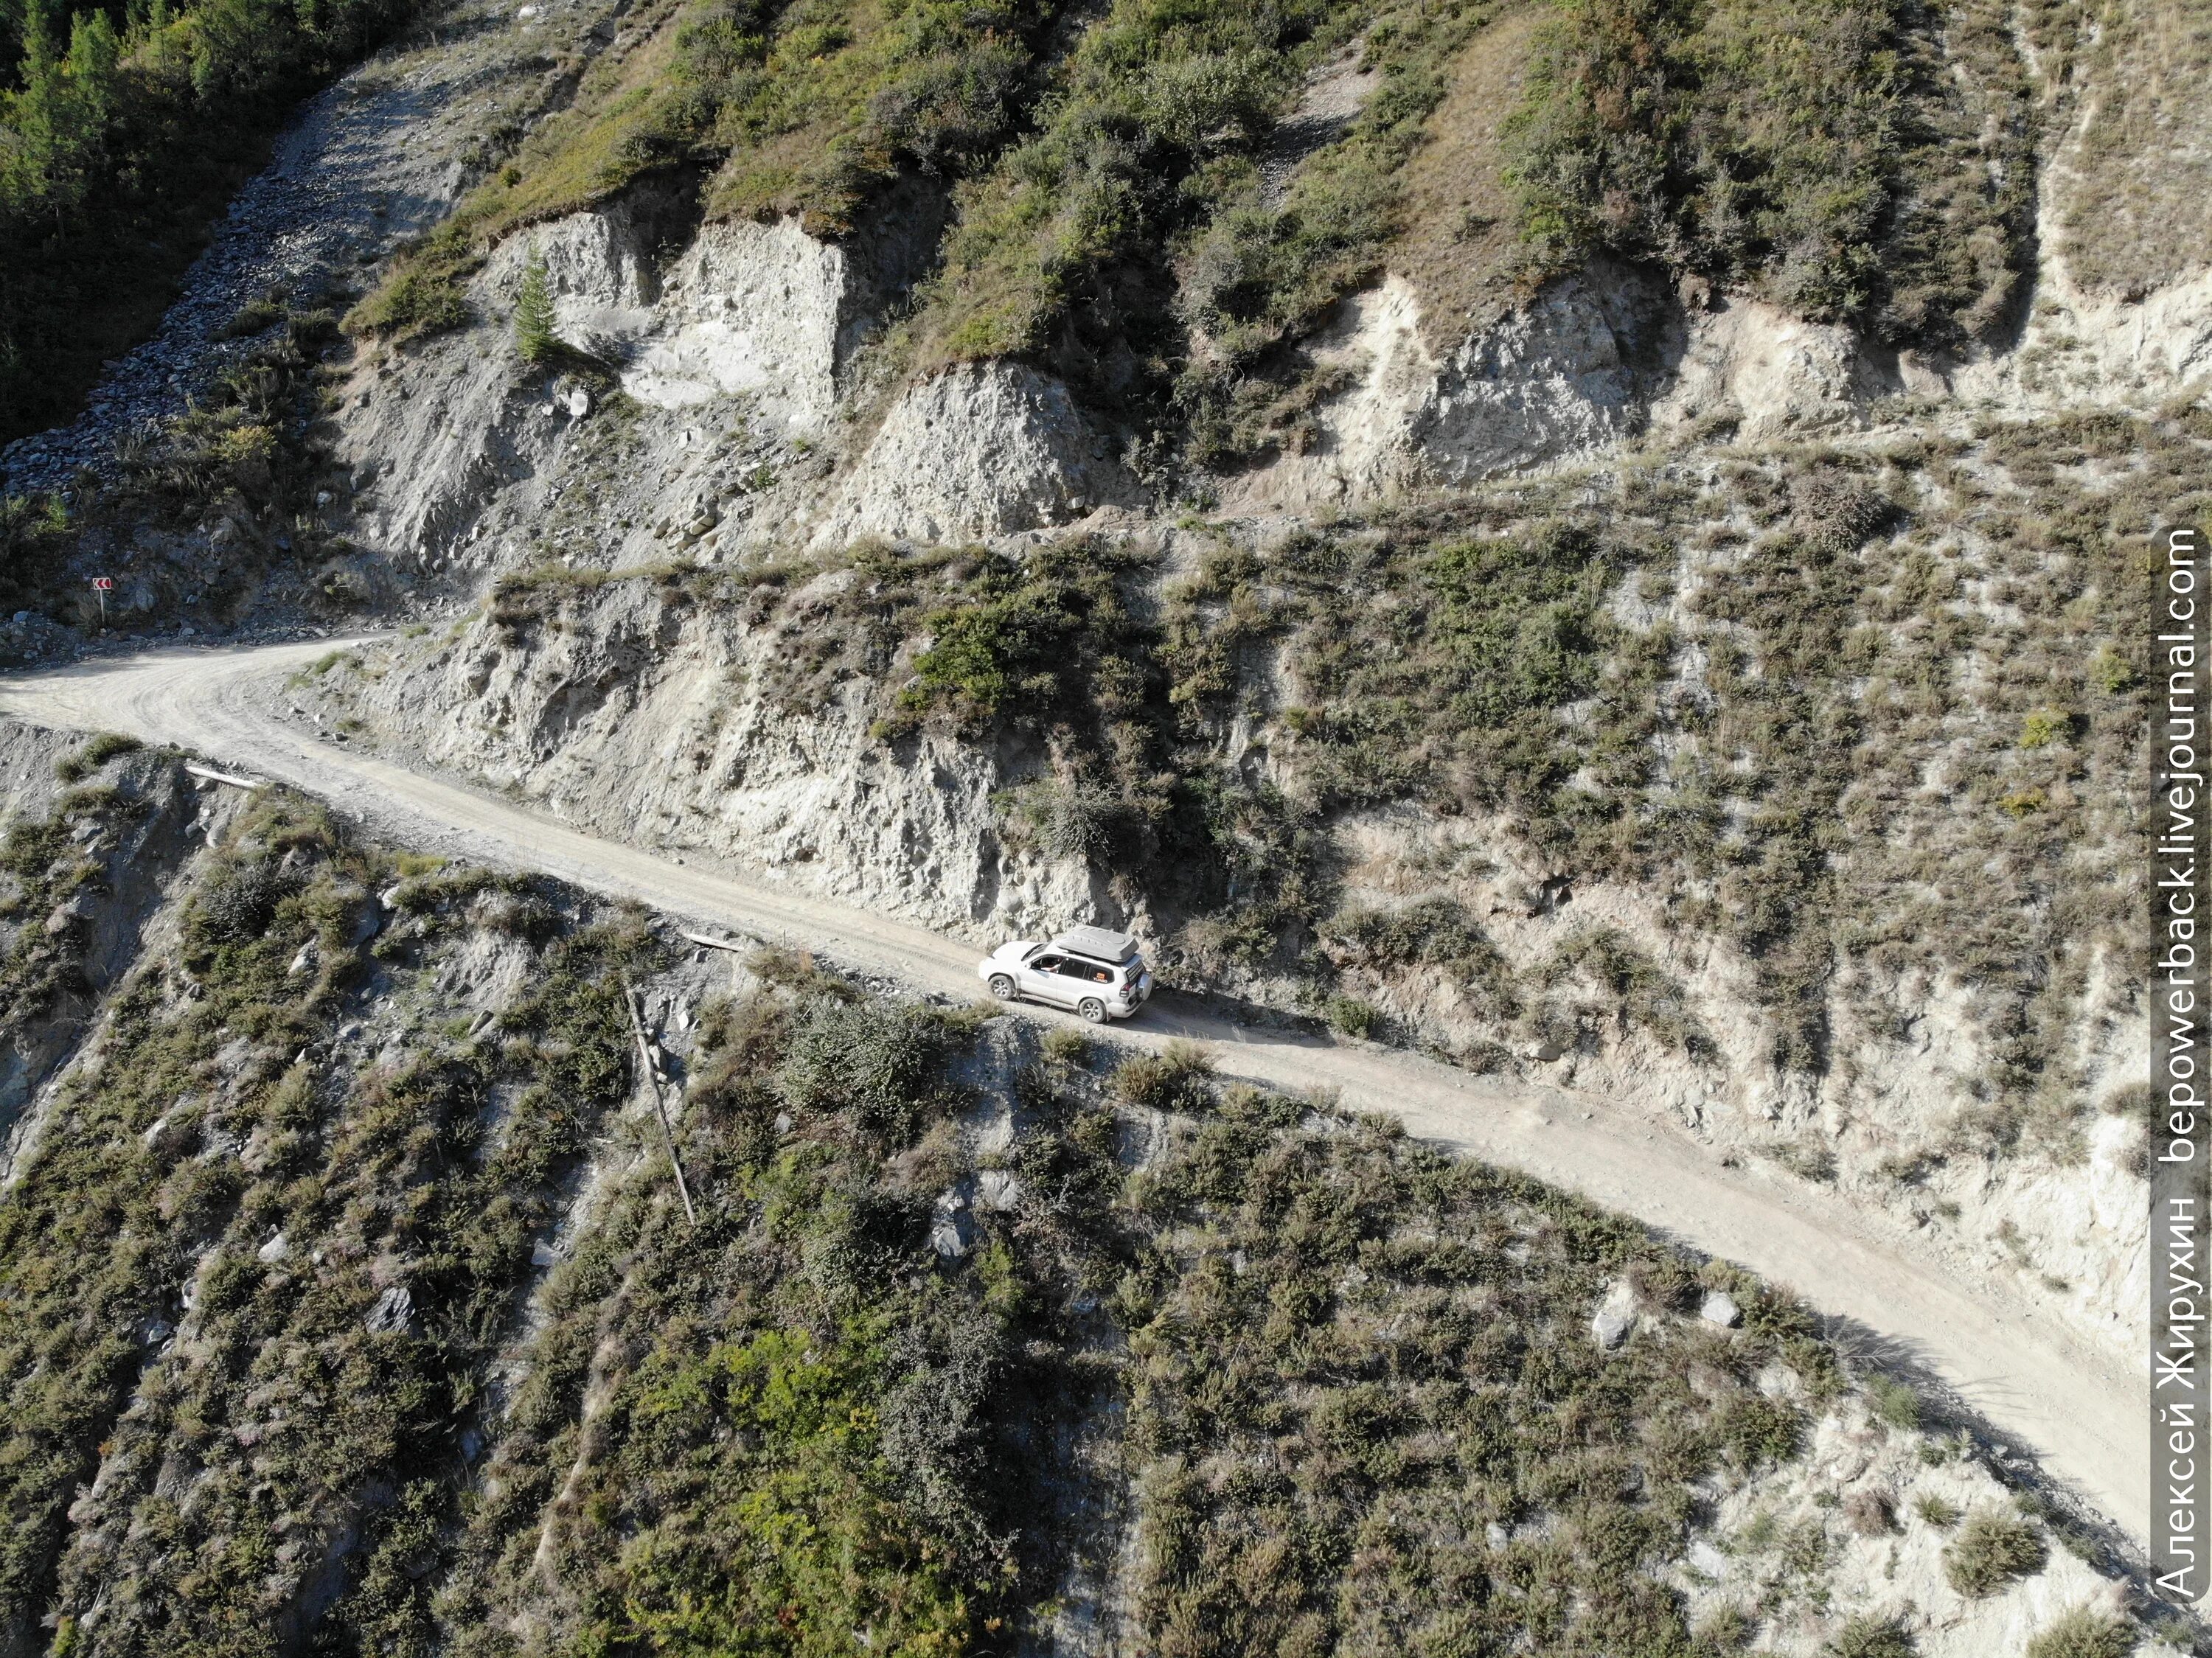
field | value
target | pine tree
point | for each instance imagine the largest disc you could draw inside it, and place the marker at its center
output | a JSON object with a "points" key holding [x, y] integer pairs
{"points": [[533, 313], [39, 165], [93, 55]]}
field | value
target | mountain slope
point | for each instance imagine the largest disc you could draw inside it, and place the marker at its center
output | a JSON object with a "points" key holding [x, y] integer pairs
{"points": [[402, 1340], [1599, 543]]}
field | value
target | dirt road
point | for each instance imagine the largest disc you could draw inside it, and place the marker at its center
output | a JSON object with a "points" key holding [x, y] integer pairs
{"points": [[2083, 1412]]}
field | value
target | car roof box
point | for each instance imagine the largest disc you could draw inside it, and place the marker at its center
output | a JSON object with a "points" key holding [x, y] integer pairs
{"points": [[1098, 943]]}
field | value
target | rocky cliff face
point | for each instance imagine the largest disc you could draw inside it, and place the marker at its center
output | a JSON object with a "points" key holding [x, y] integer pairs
{"points": [[635, 713], [751, 407], [742, 350], [746, 421]]}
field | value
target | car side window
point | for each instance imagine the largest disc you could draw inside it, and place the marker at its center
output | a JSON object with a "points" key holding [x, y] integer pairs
{"points": [[1090, 970], [1047, 963]]}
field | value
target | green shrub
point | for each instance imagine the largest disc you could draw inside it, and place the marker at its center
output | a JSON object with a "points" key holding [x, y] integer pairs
{"points": [[166, 1191], [1643, 998], [2110, 672], [238, 904], [1179, 1078], [252, 318], [1869, 1636], [1872, 1513], [1062, 817], [103, 747], [812, 1430], [1993, 1549], [1066, 1047], [413, 304], [1895, 1402], [1353, 1017], [1807, 1159], [1727, 1628], [872, 1061], [1432, 932], [1026, 641], [1827, 154], [803, 1540], [2084, 1632], [1295, 1247], [1762, 1431], [838, 1401]]}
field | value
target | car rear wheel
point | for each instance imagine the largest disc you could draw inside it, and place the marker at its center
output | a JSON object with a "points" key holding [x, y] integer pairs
{"points": [[1002, 987], [1092, 1009]]}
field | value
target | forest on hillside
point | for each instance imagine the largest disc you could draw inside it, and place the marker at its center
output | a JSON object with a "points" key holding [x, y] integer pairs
{"points": [[124, 129]]}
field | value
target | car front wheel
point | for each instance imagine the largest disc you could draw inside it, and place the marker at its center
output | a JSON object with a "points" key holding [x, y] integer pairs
{"points": [[1092, 1009], [1002, 987]]}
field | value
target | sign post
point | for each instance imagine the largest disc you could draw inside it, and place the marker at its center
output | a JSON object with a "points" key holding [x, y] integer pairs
{"points": [[103, 584]]}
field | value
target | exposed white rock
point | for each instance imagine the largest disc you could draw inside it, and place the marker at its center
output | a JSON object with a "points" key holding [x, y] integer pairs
{"points": [[2081, 345], [1856, 1495], [599, 276], [1719, 1308], [1772, 374], [1362, 448], [1592, 359], [1615, 1315], [748, 307], [1557, 379], [952, 1228], [744, 308], [393, 1312], [762, 312], [657, 724], [2087, 349], [980, 449], [2079, 1227]]}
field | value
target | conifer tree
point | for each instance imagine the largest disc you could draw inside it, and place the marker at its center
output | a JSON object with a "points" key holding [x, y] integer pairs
{"points": [[533, 313], [40, 117]]}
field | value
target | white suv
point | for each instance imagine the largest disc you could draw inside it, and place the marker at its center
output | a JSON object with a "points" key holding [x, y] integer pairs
{"points": [[1097, 973]]}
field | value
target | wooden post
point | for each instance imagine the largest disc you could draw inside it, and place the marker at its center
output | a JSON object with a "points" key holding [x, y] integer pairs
{"points": [[660, 1106]]}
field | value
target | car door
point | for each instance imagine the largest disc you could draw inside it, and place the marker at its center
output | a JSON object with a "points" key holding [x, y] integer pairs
{"points": [[1080, 978], [1041, 978]]}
